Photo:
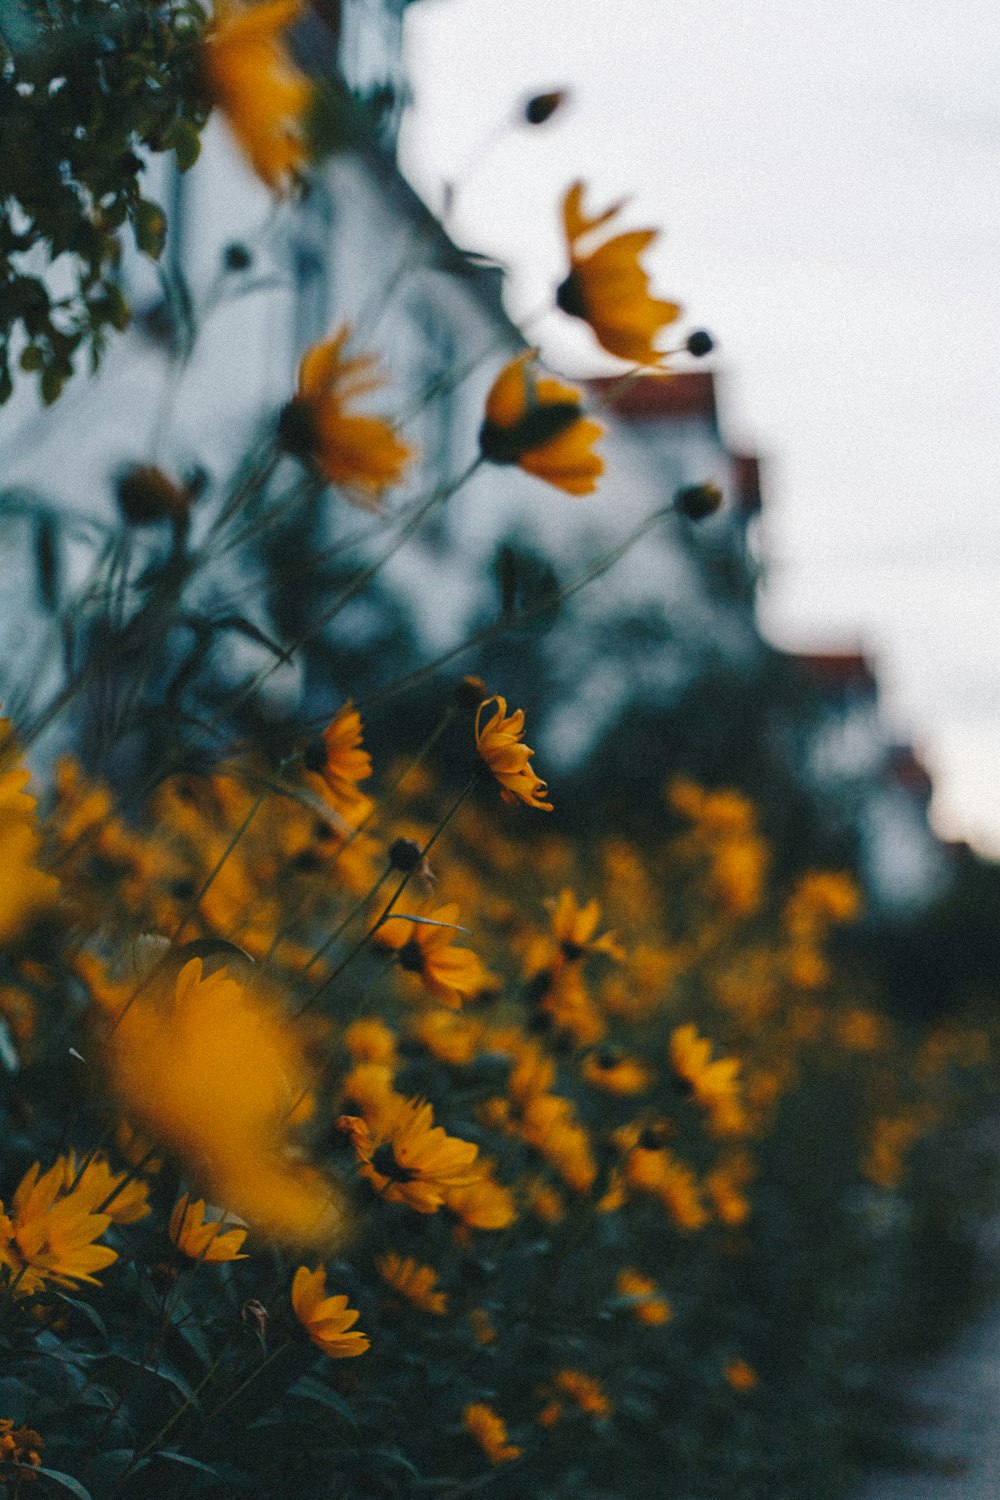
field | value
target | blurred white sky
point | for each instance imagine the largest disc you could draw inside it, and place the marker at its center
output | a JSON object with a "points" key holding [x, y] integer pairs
{"points": [[828, 180]]}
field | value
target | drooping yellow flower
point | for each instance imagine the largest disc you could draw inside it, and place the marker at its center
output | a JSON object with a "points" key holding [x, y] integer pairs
{"points": [[340, 763], [490, 1431], [48, 1238], [715, 1085], [451, 975], [499, 743], [252, 78], [328, 1321], [657, 1171], [202, 1238], [413, 1281], [647, 1305], [608, 288], [213, 1070], [358, 452], [539, 424], [406, 1157], [482, 1202]]}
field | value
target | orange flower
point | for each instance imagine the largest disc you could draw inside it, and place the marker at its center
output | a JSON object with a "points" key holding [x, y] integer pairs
{"points": [[406, 1157], [450, 974], [356, 451], [201, 1238], [538, 423], [647, 1305], [482, 1202], [490, 1432], [413, 1281], [111, 1193], [326, 1319], [255, 83], [499, 743], [338, 759], [607, 286], [585, 1391]]}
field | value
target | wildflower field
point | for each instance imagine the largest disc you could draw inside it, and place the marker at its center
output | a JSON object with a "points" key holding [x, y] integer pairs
{"points": [[372, 1125]]}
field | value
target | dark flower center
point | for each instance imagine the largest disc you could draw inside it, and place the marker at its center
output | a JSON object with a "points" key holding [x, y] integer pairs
{"points": [[411, 957], [385, 1164], [296, 430], [569, 296]]}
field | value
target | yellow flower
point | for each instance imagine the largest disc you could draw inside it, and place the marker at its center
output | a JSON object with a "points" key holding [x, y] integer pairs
{"points": [[327, 1320], [356, 451], [451, 975], [490, 1432], [25, 891], [406, 1157], [725, 1187], [499, 743], [370, 1040], [611, 1071], [20, 1446], [213, 1070], [607, 286], [574, 926], [413, 1281], [740, 1375], [340, 762], [252, 78], [124, 1201], [482, 1202], [714, 1085], [50, 1233], [586, 1391], [647, 1306], [657, 1171], [538, 423], [201, 1238]]}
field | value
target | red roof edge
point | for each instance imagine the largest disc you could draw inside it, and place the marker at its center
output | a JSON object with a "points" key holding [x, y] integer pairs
{"points": [[837, 671], [660, 398]]}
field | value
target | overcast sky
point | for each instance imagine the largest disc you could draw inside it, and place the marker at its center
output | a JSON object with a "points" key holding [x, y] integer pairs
{"points": [[828, 180]]}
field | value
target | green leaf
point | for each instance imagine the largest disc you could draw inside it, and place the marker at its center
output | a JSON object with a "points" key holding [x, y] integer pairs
{"points": [[150, 225], [66, 1480], [183, 1458], [84, 1308], [308, 1388], [186, 143]]}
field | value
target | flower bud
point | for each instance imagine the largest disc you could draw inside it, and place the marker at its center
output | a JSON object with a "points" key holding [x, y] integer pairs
{"points": [[697, 501], [541, 107], [146, 495], [405, 855], [699, 343], [470, 692]]}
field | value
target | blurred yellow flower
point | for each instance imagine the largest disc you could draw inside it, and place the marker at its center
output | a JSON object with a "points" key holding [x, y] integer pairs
{"points": [[715, 1085], [740, 1375], [490, 1432], [252, 78], [214, 1070], [499, 743], [607, 286], [25, 890], [202, 1238], [451, 975], [327, 1320], [413, 1281], [48, 1238], [358, 452], [20, 1446], [647, 1305], [538, 424], [613, 1072]]}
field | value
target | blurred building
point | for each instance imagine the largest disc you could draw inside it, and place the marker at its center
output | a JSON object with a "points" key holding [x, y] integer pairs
{"points": [[246, 287]]}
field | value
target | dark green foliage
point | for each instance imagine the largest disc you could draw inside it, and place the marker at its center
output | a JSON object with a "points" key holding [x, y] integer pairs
{"points": [[88, 89]]}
